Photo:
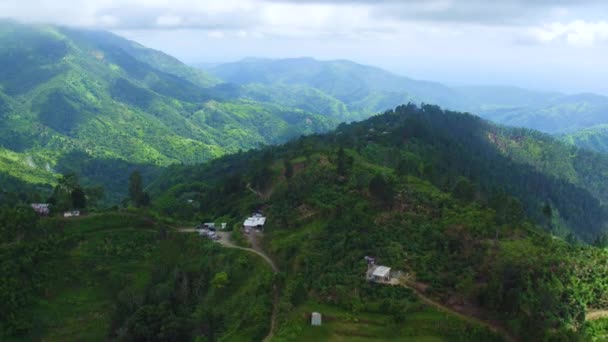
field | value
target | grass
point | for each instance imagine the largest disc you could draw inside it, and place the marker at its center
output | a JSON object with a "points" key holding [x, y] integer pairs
{"points": [[421, 324]]}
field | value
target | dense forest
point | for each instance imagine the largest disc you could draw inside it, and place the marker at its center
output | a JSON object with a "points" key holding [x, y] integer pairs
{"points": [[122, 276]]}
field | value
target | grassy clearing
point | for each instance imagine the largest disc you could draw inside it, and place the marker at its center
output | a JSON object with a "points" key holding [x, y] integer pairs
{"points": [[421, 324]]}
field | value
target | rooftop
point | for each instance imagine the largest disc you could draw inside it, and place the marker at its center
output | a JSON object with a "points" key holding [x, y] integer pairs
{"points": [[254, 221], [381, 271]]}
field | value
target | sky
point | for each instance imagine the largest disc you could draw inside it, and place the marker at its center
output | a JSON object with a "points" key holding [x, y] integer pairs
{"points": [[540, 44]]}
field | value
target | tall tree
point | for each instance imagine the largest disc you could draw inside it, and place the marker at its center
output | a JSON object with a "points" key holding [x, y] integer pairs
{"points": [[288, 169], [79, 199], [136, 193]]}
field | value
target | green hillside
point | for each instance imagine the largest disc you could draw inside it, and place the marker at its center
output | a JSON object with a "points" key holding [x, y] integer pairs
{"points": [[594, 138], [469, 211], [365, 90], [69, 92], [124, 277]]}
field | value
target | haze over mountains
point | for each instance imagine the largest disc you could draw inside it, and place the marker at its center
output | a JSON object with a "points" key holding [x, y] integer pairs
{"points": [[99, 105], [369, 89]]}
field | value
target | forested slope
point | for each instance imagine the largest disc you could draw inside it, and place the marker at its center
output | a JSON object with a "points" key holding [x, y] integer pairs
{"points": [[464, 207], [121, 276], [67, 92]]}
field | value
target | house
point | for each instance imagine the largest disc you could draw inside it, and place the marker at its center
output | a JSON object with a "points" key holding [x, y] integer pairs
{"points": [[315, 319], [256, 221], [42, 209], [73, 213], [381, 274]]}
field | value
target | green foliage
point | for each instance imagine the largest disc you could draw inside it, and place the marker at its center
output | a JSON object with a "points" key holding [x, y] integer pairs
{"points": [[593, 138], [439, 195], [138, 196], [122, 276], [95, 104], [353, 91]]}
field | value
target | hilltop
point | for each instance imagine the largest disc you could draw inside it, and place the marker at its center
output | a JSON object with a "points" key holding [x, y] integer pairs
{"points": [[468, 210]]}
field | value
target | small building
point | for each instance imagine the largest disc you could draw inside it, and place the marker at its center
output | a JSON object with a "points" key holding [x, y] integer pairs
{"points": [[256, 221], [315, 319], [73, 213], [381, 274], [42, 209], [223, 225]]}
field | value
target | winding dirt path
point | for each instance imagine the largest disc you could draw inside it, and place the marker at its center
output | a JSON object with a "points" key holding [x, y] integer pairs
{"points": [[225, 242], [493, 326], [593, 315]]}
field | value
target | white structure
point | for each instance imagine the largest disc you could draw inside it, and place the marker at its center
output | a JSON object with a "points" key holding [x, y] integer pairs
{"points": [[43, 209], [382, 273], [256, 221], [73, 213], [315, 319], [223, 225]]}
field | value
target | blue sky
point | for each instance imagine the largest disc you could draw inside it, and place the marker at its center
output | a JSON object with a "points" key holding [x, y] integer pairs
{"points": [[541, 44]]}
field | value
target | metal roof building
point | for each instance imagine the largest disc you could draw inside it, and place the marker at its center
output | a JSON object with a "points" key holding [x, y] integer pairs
{"points": [[255, 221], [382, 273]]}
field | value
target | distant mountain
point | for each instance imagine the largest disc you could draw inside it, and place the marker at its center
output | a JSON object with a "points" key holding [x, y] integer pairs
{"points": [[365, 90], [66, 92]]}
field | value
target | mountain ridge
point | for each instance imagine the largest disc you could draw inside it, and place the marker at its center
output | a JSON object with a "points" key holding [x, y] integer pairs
{"points": [[551, 112]]}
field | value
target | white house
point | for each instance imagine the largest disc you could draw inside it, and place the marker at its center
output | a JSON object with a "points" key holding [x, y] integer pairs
{"points": [[256, 221], [381, 273]]}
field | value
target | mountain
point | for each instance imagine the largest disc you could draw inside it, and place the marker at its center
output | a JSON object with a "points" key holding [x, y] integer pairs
{"points": [[365, 90], [470, 212], [594, 138], [77, 93]]}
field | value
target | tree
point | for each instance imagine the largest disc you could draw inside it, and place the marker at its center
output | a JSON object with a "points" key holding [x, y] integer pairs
{"points": [[94, 194], [548, 215], [79, 199], [62, 193], [344, 163], [382, 189], [136, 193], [288, 169], [220, 280], [464, 189]]}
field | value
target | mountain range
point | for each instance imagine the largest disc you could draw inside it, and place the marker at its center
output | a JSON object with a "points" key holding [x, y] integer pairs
{"points": [[95, 104], [365, 89]]}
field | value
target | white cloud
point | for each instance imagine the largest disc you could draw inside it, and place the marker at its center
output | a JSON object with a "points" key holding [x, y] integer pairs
{"points": [[577, 33]]}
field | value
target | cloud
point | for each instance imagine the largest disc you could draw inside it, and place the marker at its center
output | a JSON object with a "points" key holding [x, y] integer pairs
{"points": [[577, 33]]}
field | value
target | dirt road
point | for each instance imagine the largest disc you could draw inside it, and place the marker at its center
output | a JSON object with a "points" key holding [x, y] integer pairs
{"points": [[495, 327], [257, 250]]}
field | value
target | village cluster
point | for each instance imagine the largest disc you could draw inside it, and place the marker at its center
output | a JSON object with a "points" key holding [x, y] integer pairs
{"points": [[210, 229], [44, 209]]}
